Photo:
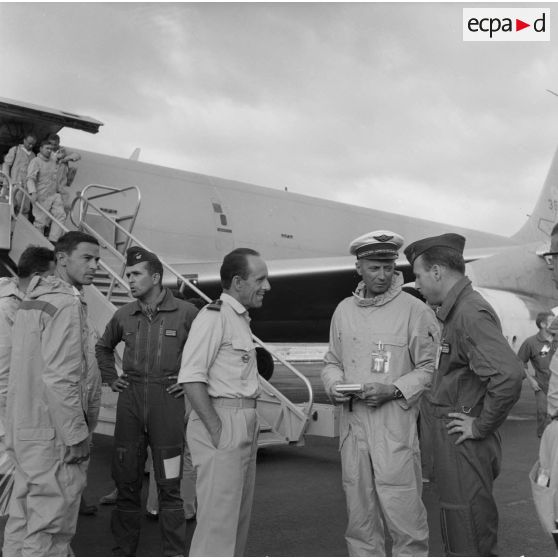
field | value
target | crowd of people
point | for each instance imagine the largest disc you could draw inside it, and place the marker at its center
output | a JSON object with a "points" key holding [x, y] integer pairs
{"points": [[189, 385], [45, 177]]}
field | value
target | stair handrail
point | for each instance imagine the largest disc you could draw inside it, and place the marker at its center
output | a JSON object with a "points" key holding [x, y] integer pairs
{"points": [[102, 242], [4, 176], [182, 279], [110, 190], [84, 204]]}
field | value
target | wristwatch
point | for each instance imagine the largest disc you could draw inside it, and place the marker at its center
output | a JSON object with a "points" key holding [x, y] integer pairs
{"points": [[397, 393]]}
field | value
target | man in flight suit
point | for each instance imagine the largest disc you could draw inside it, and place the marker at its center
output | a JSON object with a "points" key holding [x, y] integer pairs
{"points": [[220, 377], [385, 340], [46, 429], [16, 163], [477, 381], [34, 260], [150, 407], [539, 350], [42, 185]]}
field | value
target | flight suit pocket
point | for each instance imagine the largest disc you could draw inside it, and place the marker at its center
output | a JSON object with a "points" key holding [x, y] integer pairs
{"points": [[126, 463], [167, 462], [131, 355], [38, 448], [458, 530], [396, 348], [170, 350]]}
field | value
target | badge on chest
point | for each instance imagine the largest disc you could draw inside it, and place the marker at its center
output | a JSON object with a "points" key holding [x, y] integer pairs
{"points": [[380, 359]]}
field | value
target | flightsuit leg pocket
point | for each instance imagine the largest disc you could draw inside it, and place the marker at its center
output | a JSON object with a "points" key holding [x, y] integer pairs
{"points": [[126, 463], [458, 530], [167, 462], [167, 466]]}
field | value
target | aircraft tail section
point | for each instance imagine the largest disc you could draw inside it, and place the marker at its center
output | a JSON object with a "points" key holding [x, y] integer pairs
{"points": [[545, 213]]}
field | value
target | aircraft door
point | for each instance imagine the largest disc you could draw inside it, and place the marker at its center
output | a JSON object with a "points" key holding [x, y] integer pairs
{"points": [[224, 239]]}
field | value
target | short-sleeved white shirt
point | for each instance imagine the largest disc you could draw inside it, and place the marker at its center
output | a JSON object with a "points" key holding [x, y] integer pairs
{"points": [[220, 351]]}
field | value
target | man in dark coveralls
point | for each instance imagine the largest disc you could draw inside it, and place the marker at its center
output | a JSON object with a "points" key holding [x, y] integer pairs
{"points": [[477, 381], [150, 407]]}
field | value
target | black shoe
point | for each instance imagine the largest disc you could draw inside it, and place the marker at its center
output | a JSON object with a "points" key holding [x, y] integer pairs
{"points": [[86, 509], [109, 499]]}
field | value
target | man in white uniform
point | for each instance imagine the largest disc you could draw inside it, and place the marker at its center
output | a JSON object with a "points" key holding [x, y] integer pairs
{"points": [[220, 377]]}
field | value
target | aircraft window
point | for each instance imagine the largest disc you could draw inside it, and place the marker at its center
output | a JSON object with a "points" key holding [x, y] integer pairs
{"points": [[223, 220], [217, 208]]}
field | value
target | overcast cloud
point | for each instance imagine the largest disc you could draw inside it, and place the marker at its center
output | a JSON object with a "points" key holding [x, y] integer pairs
{"points": [[380, 105]]}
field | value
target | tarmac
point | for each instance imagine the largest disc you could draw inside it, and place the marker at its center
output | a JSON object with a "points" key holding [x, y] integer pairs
{"points": [[299, 507]]}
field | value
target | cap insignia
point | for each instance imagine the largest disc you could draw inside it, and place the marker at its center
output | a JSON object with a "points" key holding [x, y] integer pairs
{"points": [[383, 238]]}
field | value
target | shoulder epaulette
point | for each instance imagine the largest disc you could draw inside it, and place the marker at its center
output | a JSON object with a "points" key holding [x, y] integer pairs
{"points": [[215, 305]]}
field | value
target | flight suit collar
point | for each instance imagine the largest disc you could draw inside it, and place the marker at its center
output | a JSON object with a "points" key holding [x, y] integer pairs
{"points": [[237, 306], [540, 337], [452, 298], [167, 304], [379, 300]]}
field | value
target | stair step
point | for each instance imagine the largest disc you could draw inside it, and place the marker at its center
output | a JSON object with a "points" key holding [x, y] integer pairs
{"points": [[271, 439], [124, 218], [104, 285], [265, 428], [120, 301]]}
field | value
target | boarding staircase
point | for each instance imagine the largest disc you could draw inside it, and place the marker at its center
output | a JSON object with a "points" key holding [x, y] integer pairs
{"points": [[283, 422]]}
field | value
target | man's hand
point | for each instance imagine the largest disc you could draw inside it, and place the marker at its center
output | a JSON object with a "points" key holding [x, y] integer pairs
{"points": [[462, 424], [337, 396], [535, 385], [120, 384], [77, 453], [376, 394], [176, 389], [215, 433]]}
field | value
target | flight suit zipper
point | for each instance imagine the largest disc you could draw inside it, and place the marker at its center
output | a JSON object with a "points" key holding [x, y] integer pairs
{"points": [[160, 347], [146, 383], [137, 347]]}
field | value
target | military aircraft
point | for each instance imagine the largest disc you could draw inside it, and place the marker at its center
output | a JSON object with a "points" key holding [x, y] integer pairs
{"points": [[192, 220]]}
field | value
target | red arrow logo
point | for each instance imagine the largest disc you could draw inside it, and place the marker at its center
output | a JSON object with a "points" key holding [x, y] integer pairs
{"points": [[519, 25]]}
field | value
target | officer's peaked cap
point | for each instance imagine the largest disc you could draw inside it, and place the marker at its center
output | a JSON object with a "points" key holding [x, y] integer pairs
{"points": [[136, 255], [377, 245], [449, 240]]}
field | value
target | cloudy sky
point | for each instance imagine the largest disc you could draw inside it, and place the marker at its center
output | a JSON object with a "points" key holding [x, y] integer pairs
{"points": [[376, 104]]}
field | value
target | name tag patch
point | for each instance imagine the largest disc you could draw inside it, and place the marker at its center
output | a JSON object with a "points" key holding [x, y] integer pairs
{"points": [[170, 332]]}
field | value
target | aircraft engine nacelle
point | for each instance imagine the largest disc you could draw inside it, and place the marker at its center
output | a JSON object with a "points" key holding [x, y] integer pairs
{"points": [[517, 314]]}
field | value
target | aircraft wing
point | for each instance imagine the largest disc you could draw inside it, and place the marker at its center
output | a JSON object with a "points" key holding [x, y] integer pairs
{"points": [[208, 272], [18, 118]]}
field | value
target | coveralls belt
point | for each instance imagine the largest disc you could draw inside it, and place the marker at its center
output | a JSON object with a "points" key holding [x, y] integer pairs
{"points": [[442, 411], [237, 402], [150, 380]]}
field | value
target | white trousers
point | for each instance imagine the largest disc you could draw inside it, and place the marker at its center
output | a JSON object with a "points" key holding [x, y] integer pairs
{"points": [[382, 479], [43, 510], [225, 481]]}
